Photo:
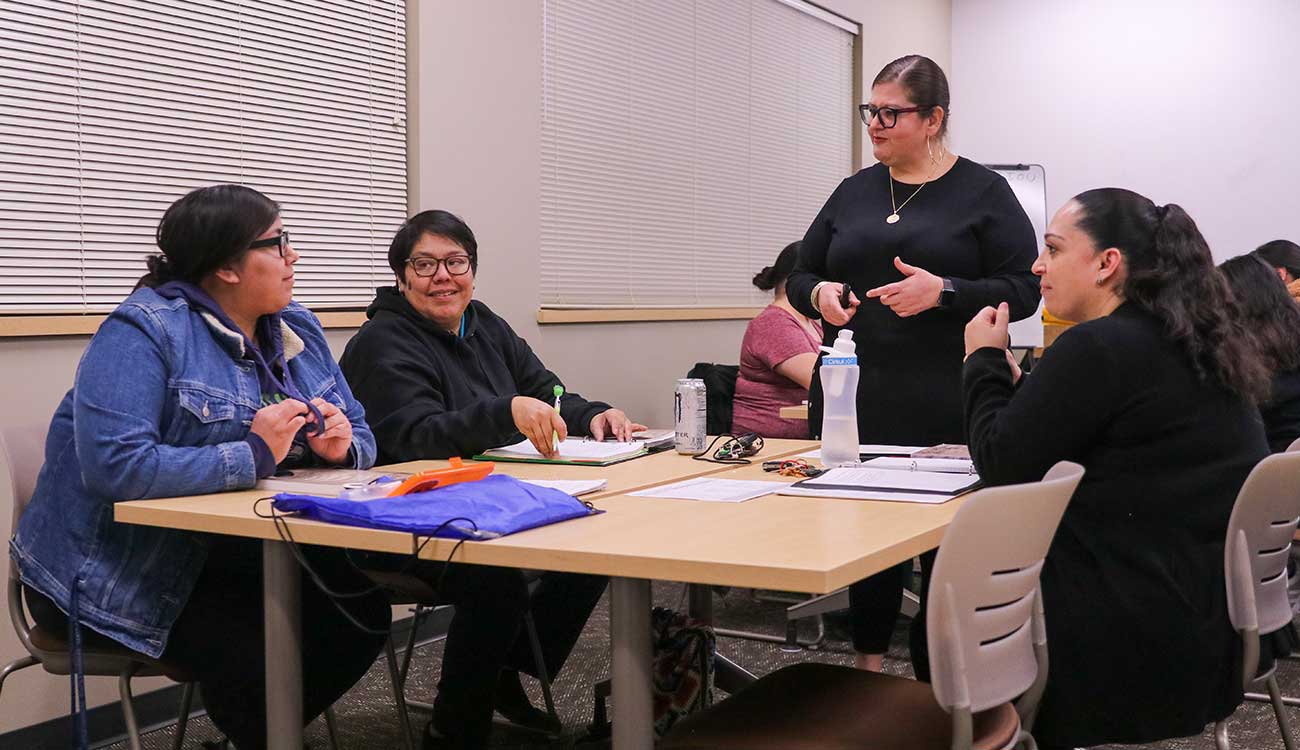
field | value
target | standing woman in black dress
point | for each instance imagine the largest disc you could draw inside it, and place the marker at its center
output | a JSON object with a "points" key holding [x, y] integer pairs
{"points": [[926, 239]]}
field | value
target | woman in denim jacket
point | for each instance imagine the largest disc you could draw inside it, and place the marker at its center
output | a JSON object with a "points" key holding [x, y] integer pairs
{"points": [[205, 379]]}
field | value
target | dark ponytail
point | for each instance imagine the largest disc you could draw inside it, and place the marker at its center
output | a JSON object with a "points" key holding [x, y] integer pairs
{"points": [[775, 275], [205, 230], [1171, 274], [1267, 310]]}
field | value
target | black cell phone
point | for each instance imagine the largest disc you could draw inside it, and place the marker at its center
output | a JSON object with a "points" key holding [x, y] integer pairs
{"points": [[845, 291]]}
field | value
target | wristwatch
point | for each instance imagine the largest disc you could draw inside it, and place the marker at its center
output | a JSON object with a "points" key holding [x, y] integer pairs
{"points": [[948, 295]]}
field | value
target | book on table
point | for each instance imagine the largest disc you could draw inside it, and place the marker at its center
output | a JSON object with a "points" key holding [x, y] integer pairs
{"points": [[901, 485], [577, 451]]}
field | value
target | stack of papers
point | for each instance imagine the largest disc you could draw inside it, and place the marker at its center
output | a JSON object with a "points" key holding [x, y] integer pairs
{"points": [[323, 482], [869, 450], [915, 463], [573, 487], [713, 490], [655, 439], [572, 450], [885, 484]]}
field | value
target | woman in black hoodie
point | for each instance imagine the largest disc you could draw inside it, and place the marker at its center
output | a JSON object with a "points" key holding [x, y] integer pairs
{"points": [[441, 375]]}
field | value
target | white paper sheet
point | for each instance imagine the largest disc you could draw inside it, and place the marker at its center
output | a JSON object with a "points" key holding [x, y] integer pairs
{"points": [[713, 490], [573, 449], [944, 465], [575, 487], [889, 479]]}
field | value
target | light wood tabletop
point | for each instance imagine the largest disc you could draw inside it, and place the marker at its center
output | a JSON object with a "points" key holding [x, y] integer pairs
{"points": [[794, 412], [813, 545]]}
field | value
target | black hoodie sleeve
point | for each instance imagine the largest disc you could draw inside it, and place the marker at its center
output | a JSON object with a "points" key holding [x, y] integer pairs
{"points": [[533, 379], [392, 374]]}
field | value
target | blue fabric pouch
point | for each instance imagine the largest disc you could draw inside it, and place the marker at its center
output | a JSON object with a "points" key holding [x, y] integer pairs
{"points": [[491, 507]]}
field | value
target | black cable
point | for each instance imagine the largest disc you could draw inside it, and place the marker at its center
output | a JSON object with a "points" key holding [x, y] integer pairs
{"points": [[286, 536], [730, 452]]}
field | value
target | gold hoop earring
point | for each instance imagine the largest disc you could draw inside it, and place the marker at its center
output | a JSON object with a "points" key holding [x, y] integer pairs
{"points": [[929, 151]]}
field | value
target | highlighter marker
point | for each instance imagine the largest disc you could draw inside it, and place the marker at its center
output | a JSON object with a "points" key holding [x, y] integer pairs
{"points": [[555, 436]]}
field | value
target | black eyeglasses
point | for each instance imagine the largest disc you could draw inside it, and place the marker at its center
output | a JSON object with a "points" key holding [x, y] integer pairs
{"points": [[457, 265], [280, 242], [888, 115]]}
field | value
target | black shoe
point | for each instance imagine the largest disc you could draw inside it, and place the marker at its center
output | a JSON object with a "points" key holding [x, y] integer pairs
{"points": [[432, 740], [513, 704]]}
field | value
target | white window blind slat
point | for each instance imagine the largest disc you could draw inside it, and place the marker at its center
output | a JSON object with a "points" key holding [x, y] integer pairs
{"points": [[684, 143], [115, 108]]}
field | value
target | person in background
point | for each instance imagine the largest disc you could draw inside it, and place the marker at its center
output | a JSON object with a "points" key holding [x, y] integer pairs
{"points": [[1154, 393], [926, 238], [777, 357], [1284, 257], [205, 379], [441, 375], [1273, 317]]}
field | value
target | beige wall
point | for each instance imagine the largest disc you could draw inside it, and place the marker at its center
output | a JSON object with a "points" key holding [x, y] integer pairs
{"points": [[476, 95], [477, 118]]}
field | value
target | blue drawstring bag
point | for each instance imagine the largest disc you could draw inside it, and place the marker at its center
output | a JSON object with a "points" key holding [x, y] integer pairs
{"points": [[488, 508]]}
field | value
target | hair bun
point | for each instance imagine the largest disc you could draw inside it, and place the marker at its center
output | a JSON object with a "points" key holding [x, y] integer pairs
{"points": [[764, 279]]}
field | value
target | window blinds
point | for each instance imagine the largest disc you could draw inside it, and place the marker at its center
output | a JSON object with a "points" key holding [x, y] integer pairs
{"points": [[112, 109], [684, 143]]}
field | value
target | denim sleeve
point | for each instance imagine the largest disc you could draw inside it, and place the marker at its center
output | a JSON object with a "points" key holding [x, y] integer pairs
{"points": [[118, 399]]}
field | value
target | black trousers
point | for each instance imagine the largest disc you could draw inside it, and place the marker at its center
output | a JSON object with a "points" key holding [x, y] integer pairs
{"points": [[218, 636], [873, 609], [486, 634]]}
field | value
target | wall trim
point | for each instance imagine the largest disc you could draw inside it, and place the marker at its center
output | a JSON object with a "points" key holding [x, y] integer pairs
{"points": [[17, 326], [549, 315]]}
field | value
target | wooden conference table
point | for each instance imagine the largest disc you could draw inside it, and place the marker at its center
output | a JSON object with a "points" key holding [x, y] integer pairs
{"points": [[794, 412], [811, 545]]}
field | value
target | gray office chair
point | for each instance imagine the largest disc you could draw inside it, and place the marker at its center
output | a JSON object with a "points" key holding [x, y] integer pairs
{"points": [[22, 451], [988, 647], [1260, 532]]}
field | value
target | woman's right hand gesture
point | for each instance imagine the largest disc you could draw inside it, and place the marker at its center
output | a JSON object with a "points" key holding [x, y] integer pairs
{"points": [[828, 304], [277, 424], [539, 422]]}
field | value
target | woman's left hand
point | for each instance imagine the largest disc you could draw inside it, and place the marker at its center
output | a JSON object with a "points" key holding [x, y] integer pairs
{"points": [[988, 328], [332, 441], [613, 423], [915, 294]]}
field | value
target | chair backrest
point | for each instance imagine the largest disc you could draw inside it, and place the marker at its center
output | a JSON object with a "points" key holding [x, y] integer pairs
{"points": [[1258, 544], [22, 451], [719, 393], [981, 622]]}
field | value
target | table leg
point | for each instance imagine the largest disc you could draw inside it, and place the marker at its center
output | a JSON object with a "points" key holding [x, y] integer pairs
{"points": [[727, 675], [629, 625], [282, 619]]}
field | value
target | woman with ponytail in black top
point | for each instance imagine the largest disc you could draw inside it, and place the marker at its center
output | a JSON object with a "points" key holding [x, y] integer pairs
{"points": [[1154, 394], [777, 357]]}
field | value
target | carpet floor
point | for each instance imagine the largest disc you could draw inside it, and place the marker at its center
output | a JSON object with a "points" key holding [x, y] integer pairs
{"points": [[367, 718]]}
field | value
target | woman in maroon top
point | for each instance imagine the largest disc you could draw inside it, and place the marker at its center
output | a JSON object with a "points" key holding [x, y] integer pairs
{"points": [[776, 359]]}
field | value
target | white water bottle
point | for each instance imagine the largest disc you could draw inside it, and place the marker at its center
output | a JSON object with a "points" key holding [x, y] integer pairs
{"points": [[839, 373]]}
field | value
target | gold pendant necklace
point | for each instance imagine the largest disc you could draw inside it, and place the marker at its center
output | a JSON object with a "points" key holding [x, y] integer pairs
{"points": [[894, 217]]}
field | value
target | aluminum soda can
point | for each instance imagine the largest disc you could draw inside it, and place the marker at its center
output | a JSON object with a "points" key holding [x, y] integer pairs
{"points": [[690, 408]]}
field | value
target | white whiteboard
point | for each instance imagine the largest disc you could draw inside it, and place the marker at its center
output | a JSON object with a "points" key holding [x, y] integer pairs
{"points": [[1029, 183]]}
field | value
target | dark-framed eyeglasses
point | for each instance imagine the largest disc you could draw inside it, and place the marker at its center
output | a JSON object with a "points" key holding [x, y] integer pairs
{"points": [[457, 265], [280, 242], [888, 115]]}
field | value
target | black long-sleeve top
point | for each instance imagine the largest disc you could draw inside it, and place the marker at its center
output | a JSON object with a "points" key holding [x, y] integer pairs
{"points": [[967, 226], [1133, 581], [429, 393], [1281, 412]]}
